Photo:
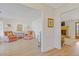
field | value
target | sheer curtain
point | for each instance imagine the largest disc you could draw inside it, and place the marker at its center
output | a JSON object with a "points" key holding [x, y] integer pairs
{"points": [[1, 29]]}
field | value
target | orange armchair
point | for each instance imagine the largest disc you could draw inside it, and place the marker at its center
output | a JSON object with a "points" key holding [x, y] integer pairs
{"points": [[11, 36], [29, 35]]}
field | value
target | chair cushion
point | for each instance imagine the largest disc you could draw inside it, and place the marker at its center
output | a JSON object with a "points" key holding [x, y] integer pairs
{"points": [[8, 33]]}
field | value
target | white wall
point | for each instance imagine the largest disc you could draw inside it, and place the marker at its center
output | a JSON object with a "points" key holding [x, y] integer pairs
{"points": [[57, 31], [17, 14], [37, 26], [14, 23], [71, 24], [51, 36]]}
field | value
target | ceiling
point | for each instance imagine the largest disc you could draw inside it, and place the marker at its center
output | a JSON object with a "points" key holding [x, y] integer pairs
{"points": [[56, 5], [28, 12], [63, 6], [67, 11], [18, 11]]}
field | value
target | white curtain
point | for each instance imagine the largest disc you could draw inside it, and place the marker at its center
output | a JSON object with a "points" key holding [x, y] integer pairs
{"points": [[1, 30]]}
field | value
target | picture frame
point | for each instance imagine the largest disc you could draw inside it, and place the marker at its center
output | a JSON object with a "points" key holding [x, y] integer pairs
{"points": [[19, 27], [9, 25], [50, 22]]}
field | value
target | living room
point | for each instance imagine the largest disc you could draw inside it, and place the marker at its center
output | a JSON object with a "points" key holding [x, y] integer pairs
{"points": [[19, 28]]}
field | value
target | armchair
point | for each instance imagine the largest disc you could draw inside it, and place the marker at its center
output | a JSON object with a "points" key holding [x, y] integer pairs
{"points": [[11, 36], [29, 35]]}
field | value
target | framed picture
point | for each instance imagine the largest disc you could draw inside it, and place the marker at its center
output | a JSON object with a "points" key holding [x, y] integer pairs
{"points": [[50, 22], [19, 27], [9, 25]]}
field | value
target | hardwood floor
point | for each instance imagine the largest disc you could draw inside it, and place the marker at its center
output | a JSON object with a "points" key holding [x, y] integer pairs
{"points": [[29, 48], [65, 51], [20, 47]]}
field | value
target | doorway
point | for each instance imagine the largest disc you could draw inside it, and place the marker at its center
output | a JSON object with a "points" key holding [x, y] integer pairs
{"points": [[77, 30]]}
